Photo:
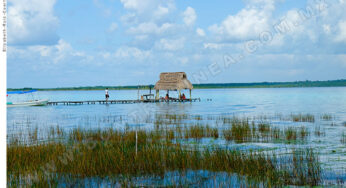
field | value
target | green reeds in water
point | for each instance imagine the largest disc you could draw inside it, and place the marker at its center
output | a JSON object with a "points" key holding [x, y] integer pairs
{"points": [[303, 117], [318, 132], [200, 131], [293, 133], [327, 117], [343, 138], [241, 130], [107, 153]]}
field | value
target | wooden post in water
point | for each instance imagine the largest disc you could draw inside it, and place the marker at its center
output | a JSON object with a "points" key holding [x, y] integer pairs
{"points": [[157, 95], [190, 95], [136, 142]]}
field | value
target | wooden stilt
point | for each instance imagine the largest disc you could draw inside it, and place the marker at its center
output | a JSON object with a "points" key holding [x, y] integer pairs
{"points": [[157, 94], [190, 95]]}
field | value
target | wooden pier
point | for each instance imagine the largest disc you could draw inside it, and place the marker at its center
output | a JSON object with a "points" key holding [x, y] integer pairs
{"points": [[121, 101]]}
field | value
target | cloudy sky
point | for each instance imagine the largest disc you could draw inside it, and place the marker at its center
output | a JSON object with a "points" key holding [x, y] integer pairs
{"points": [[59, 43]]}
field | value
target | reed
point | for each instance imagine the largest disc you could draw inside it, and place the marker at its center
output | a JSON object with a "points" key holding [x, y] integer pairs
{"points": [[303, 118], [291, 133], [327, 117], [200, 131], [275, 133], [107, 153], [319, 132], [343, 138], [163, 148], [303, 133], [241, 131]]}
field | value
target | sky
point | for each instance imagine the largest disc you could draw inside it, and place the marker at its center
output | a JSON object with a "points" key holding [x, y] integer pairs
{"points": [[64, 43]]}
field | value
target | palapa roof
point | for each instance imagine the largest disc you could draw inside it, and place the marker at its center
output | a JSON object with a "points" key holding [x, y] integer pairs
{"points": [[173, 81]]}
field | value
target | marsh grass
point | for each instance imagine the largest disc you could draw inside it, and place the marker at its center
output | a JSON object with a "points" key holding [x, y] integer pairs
{"points": [[343, 138], [318, 132], [106, 153], [293, 134], [326, 117], [175, 126], [303, 118], [241, 130]]}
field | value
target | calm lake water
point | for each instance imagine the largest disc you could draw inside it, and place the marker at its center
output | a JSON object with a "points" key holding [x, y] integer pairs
{"points": [[269, 102]]}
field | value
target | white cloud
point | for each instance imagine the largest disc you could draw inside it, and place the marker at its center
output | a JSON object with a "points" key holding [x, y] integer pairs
{"points": [[309, 32], [147, 10], [171, 44], [183, 60], [341, 36], [246, 24], [32, 22], [131, 52], [57, 53], [212, 45], [137, 5], [161, 11], [150, 28], [268, 5], [326, 28], [43, 55], [189, 16], [200, 32], [113, 27]]}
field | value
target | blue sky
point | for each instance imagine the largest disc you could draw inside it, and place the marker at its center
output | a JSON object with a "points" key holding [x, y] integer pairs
{"points": [[61, 43]]}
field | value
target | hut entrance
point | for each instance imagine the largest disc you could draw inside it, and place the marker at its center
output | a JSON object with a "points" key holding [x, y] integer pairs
{"points": [[173, 81]]}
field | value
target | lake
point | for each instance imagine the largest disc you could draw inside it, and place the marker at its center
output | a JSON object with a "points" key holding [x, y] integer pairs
{"points": [[274, 105]]}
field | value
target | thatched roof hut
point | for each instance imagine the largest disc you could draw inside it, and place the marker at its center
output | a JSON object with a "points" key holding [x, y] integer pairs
{"points": [[173, 81]]}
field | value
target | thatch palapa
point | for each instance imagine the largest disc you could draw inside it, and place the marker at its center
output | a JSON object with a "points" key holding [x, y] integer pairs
{"points": [[173, 81]]}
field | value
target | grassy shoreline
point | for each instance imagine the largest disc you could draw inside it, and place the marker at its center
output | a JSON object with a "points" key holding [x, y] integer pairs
{"points": [[107, 153], [174, 143], [329, 83]]}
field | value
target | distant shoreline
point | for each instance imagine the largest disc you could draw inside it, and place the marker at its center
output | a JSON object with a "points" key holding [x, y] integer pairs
{"points": [[329, 83]]}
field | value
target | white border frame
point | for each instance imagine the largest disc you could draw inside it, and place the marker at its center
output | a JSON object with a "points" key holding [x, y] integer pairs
{"points": [[3, 108]]}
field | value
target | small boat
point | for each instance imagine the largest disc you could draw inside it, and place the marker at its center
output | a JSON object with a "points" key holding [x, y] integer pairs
{"points": [[28, 103], [34, 102]]}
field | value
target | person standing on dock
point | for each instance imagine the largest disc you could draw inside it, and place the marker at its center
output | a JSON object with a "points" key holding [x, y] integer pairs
{"points": [[107, 94]]}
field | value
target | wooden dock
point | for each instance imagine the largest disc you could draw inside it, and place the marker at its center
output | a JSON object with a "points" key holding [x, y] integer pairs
{"points": [[120, 101]]}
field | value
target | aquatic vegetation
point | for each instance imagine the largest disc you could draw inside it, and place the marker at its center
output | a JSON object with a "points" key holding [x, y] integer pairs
{"points": [[303, 132], [291, 134], [319, 132], [343, 138], [170, 143], [200, 131], [303, 117], [275, 133], [264, 127], [327, 117], [198, 117], [241, 131], [106, 153]]}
